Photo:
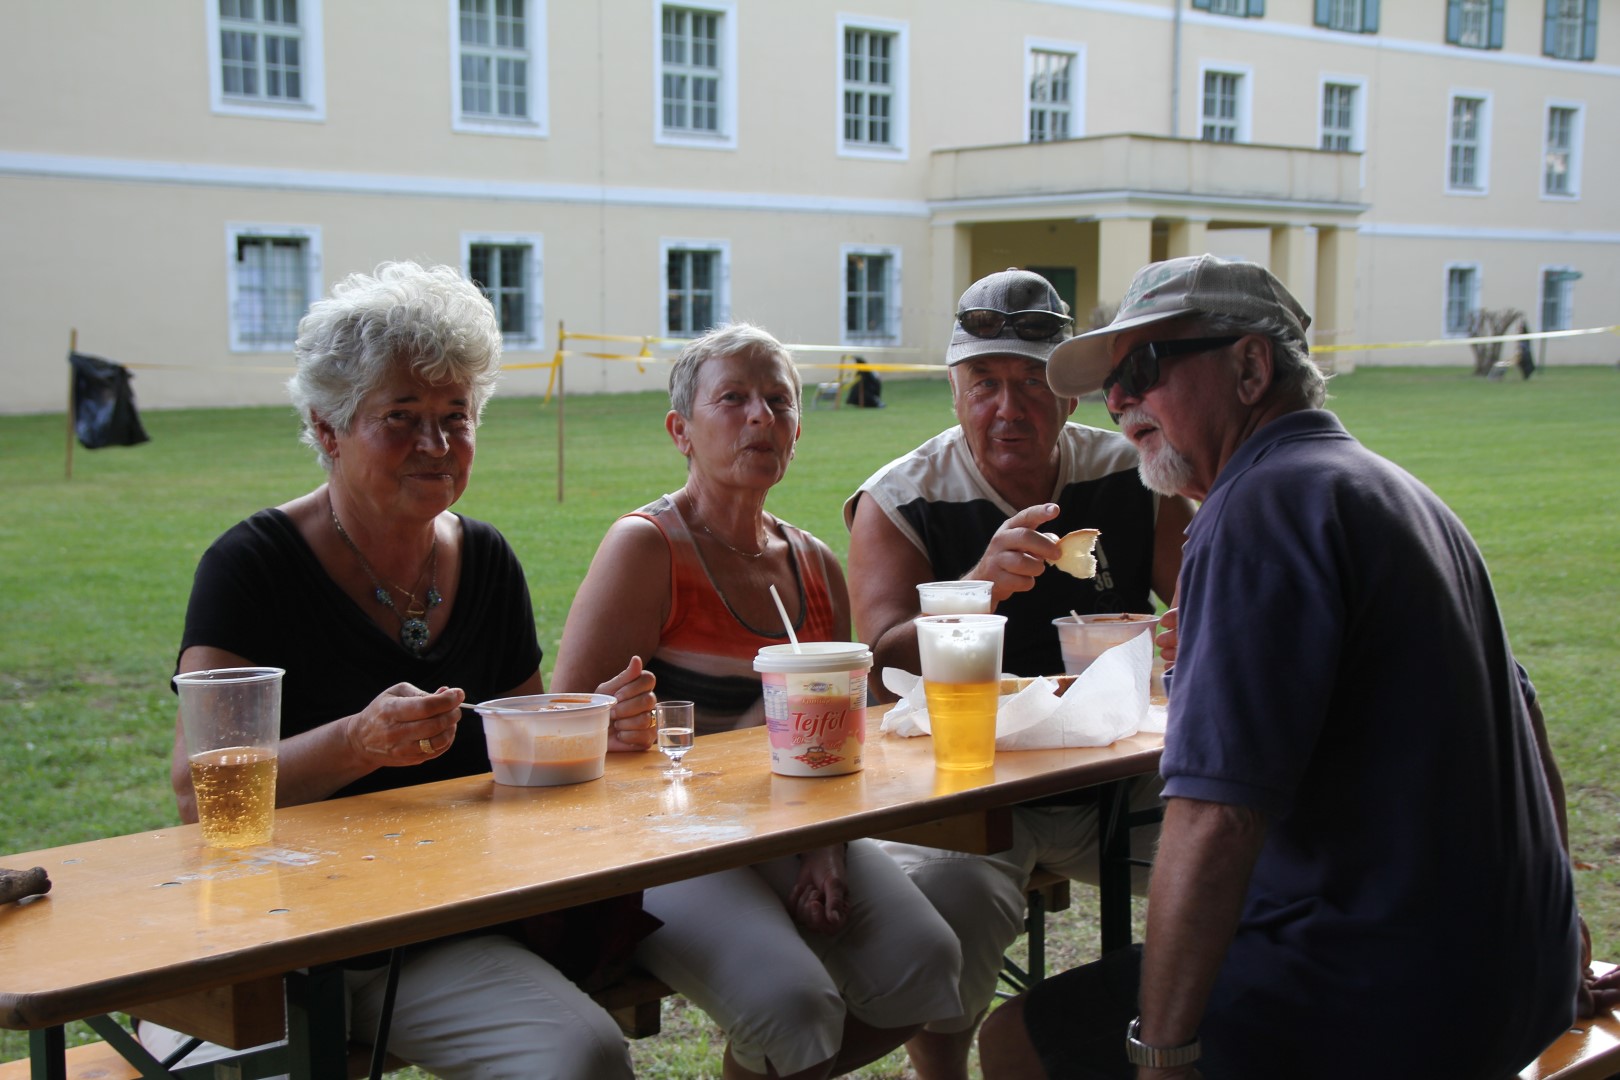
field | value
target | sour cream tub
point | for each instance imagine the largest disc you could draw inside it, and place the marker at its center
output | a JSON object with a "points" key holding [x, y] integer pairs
{"points": [[815, 706]]}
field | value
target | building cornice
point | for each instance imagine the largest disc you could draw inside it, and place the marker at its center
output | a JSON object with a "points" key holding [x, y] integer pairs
{"points": [[1158, 199], [190, 174]]}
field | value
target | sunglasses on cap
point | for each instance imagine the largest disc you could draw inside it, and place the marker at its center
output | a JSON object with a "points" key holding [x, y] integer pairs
{"points": [[1036, 324], [1139, 371]]}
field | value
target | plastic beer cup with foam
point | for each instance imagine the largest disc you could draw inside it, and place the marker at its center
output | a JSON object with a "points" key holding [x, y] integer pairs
{"points": [[232, 723], [961, 670], [955, 598]]}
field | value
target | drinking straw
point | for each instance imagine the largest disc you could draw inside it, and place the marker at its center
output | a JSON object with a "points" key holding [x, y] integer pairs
{"points": [[788, 625]]}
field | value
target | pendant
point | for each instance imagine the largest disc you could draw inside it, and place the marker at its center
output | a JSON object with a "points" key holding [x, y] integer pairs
{"points": [[413, 634]]}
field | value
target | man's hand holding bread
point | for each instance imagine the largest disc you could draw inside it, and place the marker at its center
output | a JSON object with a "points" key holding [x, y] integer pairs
{"points": [[1019, 552]]}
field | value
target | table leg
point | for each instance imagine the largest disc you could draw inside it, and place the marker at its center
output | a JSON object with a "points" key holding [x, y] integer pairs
{"points": [[1113, 871], [1115, 820], [47, 1054], [317, 1025]]}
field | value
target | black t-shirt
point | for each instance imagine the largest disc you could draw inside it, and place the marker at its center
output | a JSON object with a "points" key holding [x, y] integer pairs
{"points": [[939, 500], [260, 593]]}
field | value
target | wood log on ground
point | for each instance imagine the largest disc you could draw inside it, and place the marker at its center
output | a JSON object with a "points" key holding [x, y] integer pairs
{"points": [[16, 884]]}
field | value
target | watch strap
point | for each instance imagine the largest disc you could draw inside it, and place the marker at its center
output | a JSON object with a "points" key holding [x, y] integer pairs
{"points": [[1157, 1057]]}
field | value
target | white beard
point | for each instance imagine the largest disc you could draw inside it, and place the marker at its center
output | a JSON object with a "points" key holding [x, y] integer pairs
{"points": [[1164, 469]]}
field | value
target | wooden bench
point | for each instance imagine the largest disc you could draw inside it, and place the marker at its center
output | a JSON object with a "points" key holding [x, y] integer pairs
{"points": [[92, 1061], [1048, 892]]}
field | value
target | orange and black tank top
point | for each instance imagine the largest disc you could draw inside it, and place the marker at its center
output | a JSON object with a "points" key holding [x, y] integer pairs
{"points": [[705, 651]]}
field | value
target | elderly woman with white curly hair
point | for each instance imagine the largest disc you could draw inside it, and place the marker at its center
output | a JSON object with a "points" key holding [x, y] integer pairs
{"points": [[388, 612]]}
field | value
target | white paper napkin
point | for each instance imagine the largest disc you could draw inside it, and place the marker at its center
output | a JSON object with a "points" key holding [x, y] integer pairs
{"points": [[1107, 701]]}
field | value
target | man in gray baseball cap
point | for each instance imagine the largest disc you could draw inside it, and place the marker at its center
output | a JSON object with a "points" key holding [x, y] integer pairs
{"points": [[1356, 799], [976, 502]]}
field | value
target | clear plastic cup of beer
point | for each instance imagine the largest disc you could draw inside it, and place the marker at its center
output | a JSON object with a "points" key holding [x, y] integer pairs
{"points": [[968, 597], [232, 723], [961, 670]]}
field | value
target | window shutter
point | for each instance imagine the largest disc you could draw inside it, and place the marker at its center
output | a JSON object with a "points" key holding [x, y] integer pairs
{"points": [[1369, 17], [1589, 33], [1324, 12], [1257, 8], [1497, 15], [1204, 4], [1549, 29], [1453, 22]]}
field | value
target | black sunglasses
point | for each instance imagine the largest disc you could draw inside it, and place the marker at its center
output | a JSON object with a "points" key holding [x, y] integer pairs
{"points": [[1033, 325], [1139, 371]]}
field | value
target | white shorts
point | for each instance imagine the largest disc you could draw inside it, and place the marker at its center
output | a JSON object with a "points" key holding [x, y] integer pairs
{"points": [[730, 945], [471, 1008], [983, 897]]}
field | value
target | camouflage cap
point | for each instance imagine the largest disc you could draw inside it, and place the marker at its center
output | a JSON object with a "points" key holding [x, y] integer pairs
{"points": [[1191, 285], [1007, 291]]}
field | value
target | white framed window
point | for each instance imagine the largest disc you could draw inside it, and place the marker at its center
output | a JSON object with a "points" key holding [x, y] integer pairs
{"points": [[1356, 16], [1468, 143], [1570, 31], [697, 285], [509, 268], [1558, 297], [1224, 105], [1462, 298], [873, 110], [1343, 113], [266, 58], [1243, 8], [696, 64], [273, 272], [1561, 161], [1054, 90], [871, 277], [498, 67]]}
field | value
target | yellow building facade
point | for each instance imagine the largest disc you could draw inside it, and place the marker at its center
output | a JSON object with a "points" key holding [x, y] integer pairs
{"points": [[179, 180]]}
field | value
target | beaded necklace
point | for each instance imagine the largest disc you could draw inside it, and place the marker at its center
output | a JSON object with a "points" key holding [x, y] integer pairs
{"points": [[413, 627]]}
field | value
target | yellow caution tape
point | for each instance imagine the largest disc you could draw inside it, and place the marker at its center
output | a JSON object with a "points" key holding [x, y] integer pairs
{"points": [[1432, 342]]}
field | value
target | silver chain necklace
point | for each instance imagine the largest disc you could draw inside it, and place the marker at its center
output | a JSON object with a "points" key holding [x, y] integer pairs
{"points": [[413, 627], [717, 538]]}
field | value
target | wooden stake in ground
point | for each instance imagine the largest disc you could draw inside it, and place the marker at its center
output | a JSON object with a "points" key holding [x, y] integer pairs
{"points": [[73, 347], [16, 884]]}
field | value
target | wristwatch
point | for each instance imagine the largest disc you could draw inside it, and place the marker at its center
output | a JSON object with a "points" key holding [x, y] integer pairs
{"points": [[1157, 1057]]}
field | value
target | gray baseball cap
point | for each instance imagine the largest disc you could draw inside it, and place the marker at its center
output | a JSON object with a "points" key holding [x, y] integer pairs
{"points": [[1191, 285], [1007, 291]]}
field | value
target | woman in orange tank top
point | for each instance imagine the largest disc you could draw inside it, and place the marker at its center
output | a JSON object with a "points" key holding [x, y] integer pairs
{"points": [[814, 964]]}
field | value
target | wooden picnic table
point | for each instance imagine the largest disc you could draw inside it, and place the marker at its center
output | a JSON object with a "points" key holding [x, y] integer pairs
{"points": [[161, 925]]}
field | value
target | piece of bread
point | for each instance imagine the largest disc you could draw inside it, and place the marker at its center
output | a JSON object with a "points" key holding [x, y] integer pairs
{"points": [[1077, 558], [1013, 684]]}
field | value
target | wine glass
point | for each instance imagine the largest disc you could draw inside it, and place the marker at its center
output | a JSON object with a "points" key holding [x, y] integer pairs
{"points": [[675, 730]]}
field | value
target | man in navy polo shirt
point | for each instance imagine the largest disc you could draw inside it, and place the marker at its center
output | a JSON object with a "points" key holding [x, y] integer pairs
{"points": [[1361, 870]]}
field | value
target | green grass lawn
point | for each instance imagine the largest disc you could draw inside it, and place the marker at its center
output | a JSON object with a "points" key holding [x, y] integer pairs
{"points": [[94, 574]]}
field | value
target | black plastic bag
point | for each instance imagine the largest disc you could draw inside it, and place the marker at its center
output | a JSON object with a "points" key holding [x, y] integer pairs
{"points": [[104, 404]]}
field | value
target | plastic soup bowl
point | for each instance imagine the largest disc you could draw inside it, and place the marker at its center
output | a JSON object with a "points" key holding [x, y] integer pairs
{"points": [[543, 740], [1087, 638]]}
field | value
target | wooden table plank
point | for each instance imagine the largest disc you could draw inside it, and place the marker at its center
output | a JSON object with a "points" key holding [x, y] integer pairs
{"points": [[149, 916]]}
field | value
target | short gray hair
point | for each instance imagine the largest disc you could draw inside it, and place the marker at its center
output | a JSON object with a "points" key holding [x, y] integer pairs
{"points": [[1292, 369], [731, 339], [431, 320]]}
